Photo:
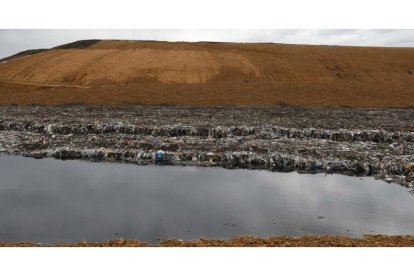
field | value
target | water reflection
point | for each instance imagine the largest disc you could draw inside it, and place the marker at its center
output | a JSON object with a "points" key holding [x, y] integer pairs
{"points": [[50, 201]]}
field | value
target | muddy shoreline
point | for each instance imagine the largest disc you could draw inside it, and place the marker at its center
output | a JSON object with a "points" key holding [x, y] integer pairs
{"points": [[246, 241], [374, 142]]}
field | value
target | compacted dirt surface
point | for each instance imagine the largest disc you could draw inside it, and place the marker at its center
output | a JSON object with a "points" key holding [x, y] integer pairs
{"points": [[248, 241], [111, 72], [373, 142]]}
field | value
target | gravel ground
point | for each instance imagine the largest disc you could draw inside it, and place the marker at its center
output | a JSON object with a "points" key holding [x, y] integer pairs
{"points": [[249, 241], [377, 142]]}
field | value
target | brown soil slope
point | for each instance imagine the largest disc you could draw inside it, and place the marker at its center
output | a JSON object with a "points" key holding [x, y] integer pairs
{"points": [[149, 72]]}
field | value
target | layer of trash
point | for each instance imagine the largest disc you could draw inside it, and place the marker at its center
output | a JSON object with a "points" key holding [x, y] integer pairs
{"points": [[374, 142]]}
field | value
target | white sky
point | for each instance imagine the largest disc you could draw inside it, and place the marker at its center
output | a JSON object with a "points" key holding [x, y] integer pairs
{"points": [[13, 41]]}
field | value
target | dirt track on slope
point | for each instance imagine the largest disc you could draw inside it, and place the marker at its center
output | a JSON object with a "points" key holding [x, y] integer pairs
{"points": [[44, 84]]}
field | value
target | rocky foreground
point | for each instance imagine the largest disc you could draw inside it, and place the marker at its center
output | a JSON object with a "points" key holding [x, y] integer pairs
{"points": [[247, 241], [375, 142]]}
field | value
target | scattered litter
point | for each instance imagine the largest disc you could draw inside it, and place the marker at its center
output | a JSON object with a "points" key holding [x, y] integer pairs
{"points": [[356, 142]]}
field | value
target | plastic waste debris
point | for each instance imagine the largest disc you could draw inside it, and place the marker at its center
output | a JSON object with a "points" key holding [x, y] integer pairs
{"points": [[159, 157], [375, 142]]}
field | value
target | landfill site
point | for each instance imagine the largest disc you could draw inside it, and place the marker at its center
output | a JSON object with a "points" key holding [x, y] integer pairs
{"points": [[273, 107], [370, 142], [277, 107]]}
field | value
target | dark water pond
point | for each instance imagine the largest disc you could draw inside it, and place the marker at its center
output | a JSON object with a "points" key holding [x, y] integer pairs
{"points": [[51, 201]]}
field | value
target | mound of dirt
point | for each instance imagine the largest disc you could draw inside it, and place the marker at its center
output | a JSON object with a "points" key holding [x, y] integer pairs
{"points": [[23, 54], [150, 72], [81, 44]]}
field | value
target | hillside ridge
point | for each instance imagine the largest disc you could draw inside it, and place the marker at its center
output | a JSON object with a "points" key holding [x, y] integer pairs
{"points": [[212, 73]]}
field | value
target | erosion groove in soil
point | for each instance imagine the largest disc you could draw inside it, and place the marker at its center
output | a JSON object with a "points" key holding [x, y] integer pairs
{"points": [[248, 241], [375, 142], [116, 72]]}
